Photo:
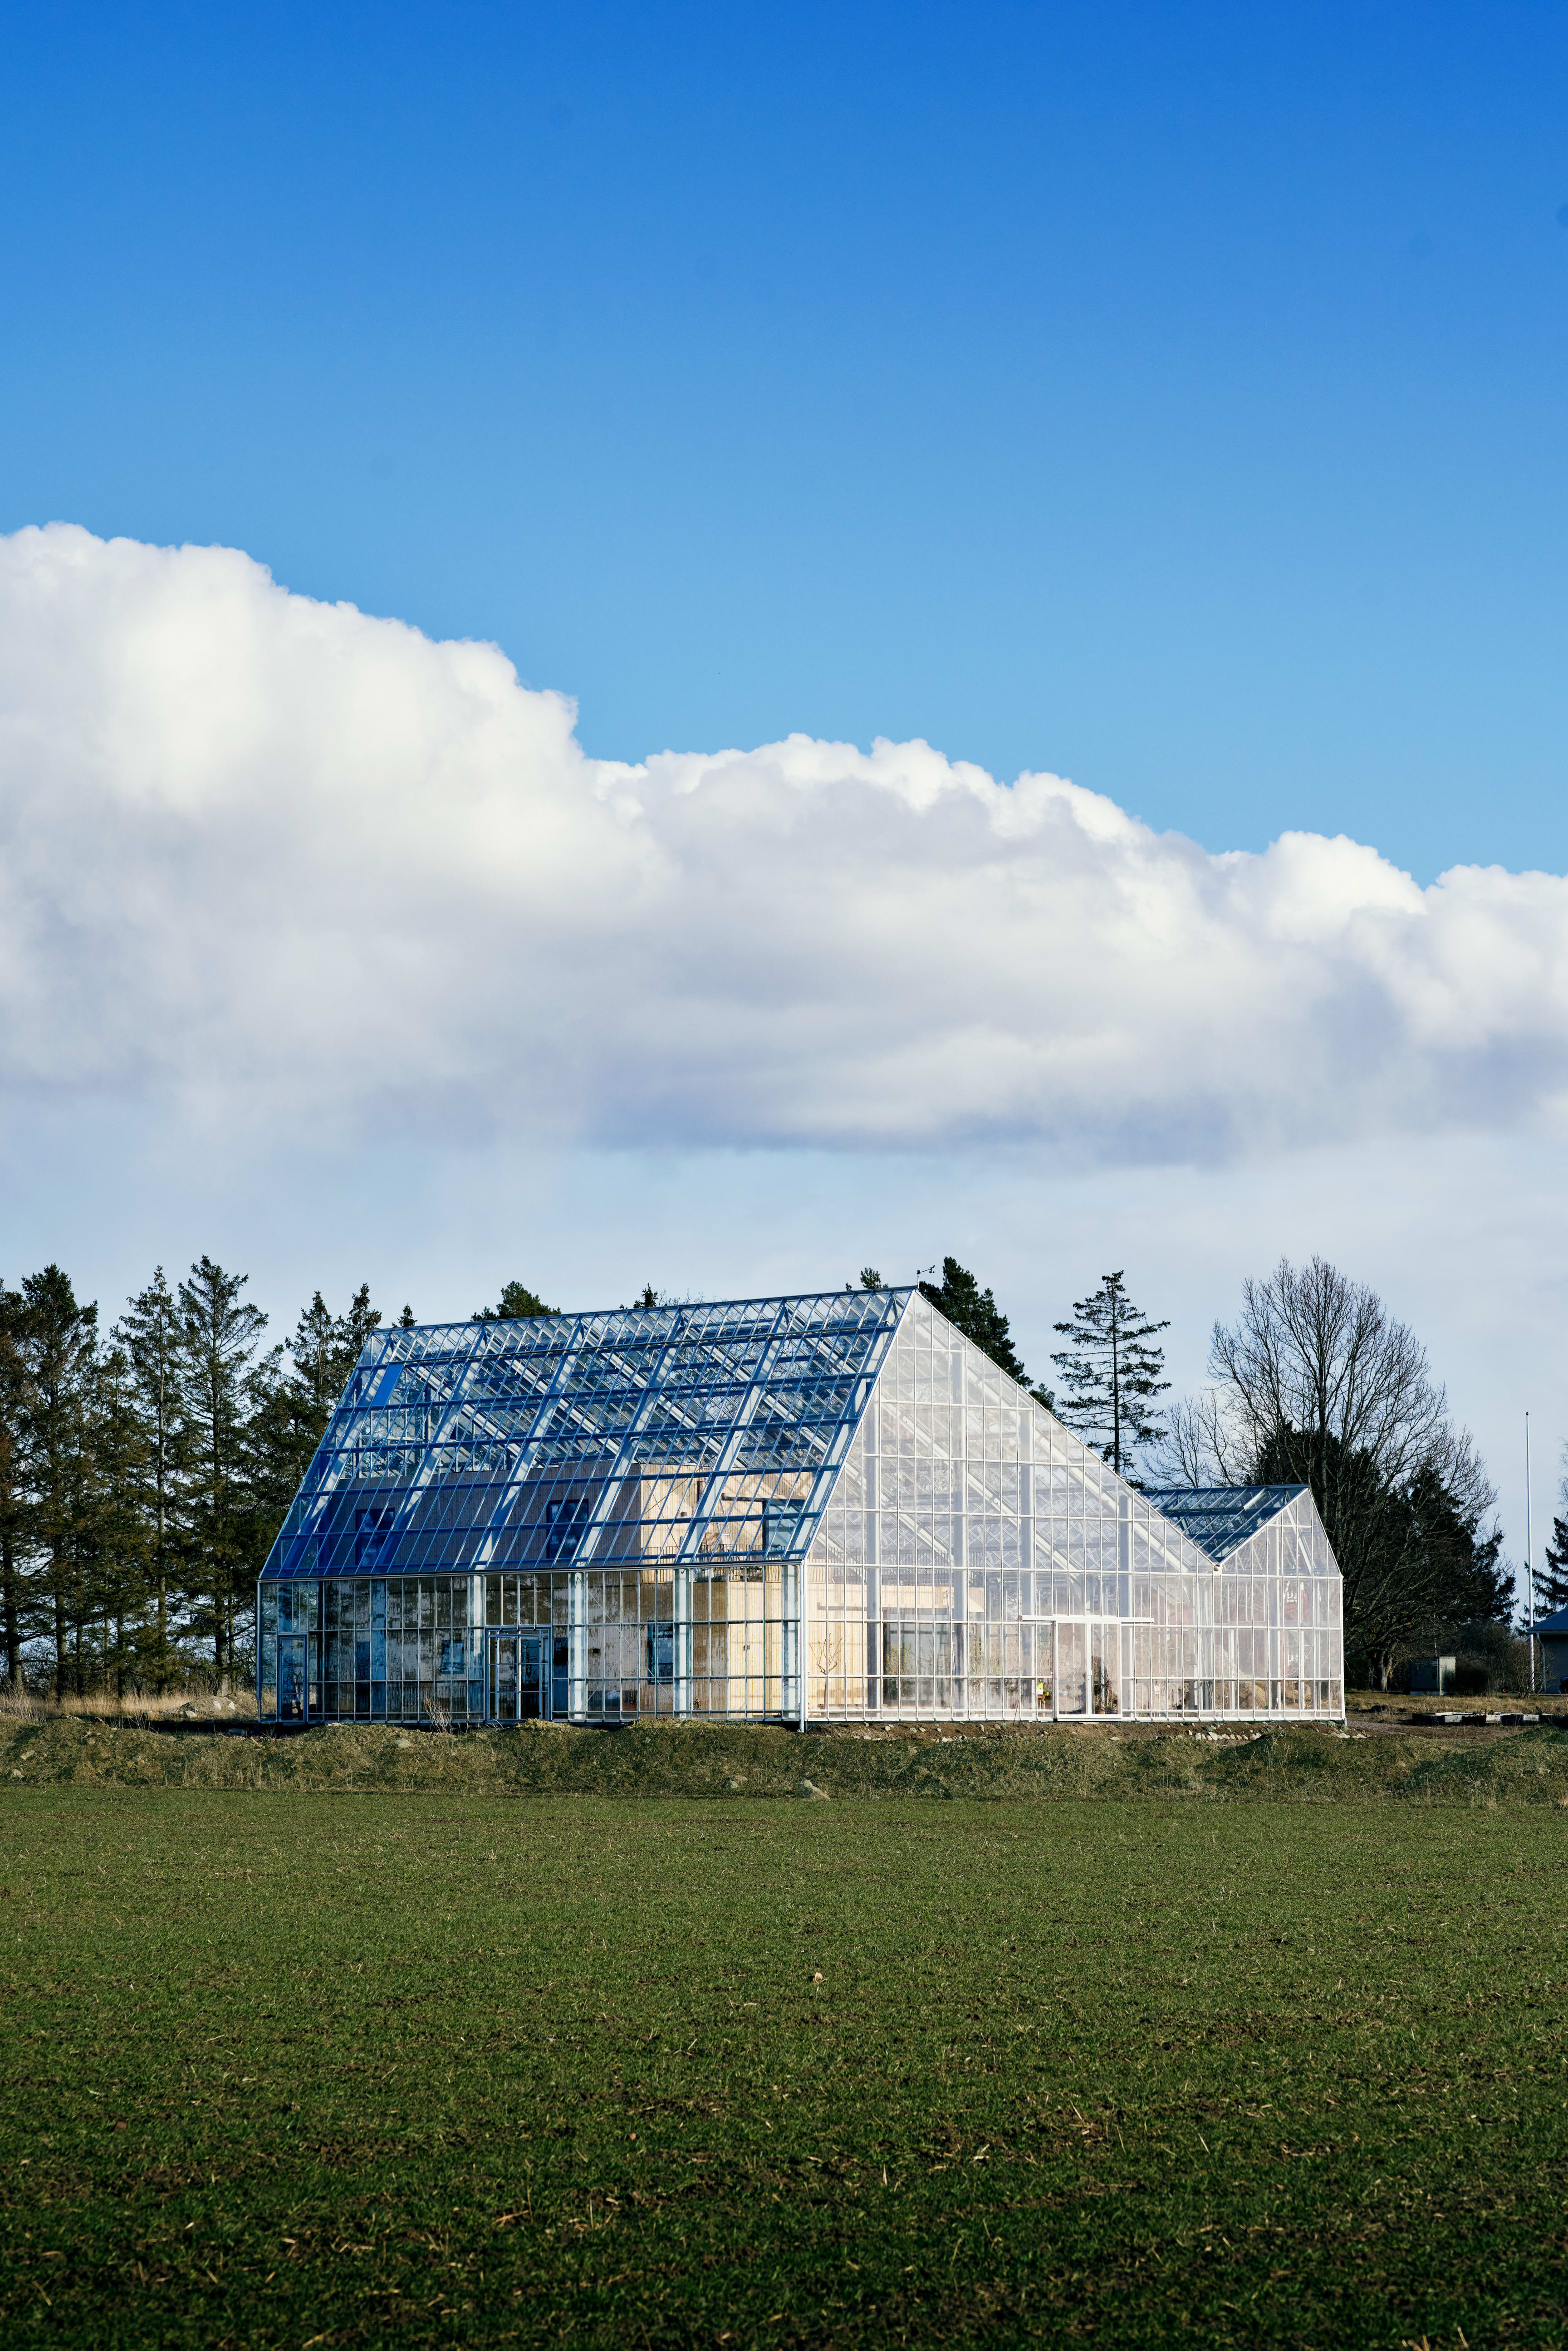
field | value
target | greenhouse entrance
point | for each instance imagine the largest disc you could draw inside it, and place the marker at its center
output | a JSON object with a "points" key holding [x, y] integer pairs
{"points": [[291, 1679], [521, 1675]]}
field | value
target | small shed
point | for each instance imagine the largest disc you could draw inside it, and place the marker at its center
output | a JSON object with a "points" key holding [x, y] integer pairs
{"points": [[1433, 1674], [1551, 1632]]}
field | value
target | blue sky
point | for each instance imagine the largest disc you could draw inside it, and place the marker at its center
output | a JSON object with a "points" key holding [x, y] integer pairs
{"points": [[1171, 398]]}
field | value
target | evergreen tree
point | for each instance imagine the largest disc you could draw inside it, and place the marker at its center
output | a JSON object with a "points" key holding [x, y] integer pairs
{"points": [[13, 1390], [141, 1479], [150, 1333], [1111, 1372], [220, 1386], [1464, 1567], [116, 1528], [291, 1413], [517, 1303], [57, 1340], [73, 1549], [975, 1312], [314, 1350], [353, 1329], [1411, 1552], [1551, 1579], [281, 1434], [325, 1347]]}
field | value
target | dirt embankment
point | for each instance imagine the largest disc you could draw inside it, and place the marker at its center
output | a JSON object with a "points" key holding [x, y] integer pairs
{"points": [[731, 1763]]}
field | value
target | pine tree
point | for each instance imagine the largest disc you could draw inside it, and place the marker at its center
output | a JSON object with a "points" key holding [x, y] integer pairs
{"points": [[58, 1341], [291, 1413], [1455, 1559], [325, 1347], [1551, 1579], [280, 1440], [148, 1332], [117, 1530], [73, 1548], [13, 1391], [518, 1303], [220, 1388], [1111, 1372], [975, 1312], [313, 1348]]}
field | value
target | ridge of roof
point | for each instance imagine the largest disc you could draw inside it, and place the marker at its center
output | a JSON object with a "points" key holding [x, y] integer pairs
{"points": [[890, 1290]]}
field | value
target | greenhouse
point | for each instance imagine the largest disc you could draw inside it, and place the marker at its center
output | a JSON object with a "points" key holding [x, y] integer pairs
{"points": [[794, 1509]]}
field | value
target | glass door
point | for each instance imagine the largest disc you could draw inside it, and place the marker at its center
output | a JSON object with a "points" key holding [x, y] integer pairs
{"points": [[533, 1676], [1105, 1668], [520, 1676], [1070, 1679], [291, 1677], [503, 1706]]}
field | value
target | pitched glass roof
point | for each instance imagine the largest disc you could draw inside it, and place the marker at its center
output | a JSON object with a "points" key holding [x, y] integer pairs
{"points": [[1219, 1519], [741, 1408]]}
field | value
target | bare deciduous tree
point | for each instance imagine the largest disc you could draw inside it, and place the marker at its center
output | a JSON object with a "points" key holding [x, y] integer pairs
{"points": [[1318, 1385], [1201, 1446], [1318, 1354]]}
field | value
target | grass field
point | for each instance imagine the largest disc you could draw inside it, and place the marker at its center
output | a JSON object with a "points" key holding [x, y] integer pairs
{"points": [[308, 2069]]}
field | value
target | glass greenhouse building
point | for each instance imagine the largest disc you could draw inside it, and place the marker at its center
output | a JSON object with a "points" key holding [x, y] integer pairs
{"points": [[814, 1509]]}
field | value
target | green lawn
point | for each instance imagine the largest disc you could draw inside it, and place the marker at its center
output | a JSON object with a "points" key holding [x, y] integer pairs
{"points": [[293, 2070]]}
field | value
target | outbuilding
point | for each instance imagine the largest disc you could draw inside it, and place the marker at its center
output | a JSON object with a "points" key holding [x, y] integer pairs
{"points": [[829, 1507], [1551, 1632]]}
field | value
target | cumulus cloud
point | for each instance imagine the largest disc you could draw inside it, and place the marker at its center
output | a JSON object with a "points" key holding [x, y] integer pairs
{"points": [[264, 858]]}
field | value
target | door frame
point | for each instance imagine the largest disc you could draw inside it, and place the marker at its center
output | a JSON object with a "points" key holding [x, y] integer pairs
{"points": [[301, 1643], [494, 1636]]}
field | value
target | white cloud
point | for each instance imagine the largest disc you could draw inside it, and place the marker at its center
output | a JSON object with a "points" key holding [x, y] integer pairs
{"points": [[262, 857]]}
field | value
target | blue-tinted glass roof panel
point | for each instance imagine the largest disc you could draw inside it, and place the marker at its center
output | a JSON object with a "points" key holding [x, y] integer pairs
{"points": [[1219, 1519], [478, 1430]]}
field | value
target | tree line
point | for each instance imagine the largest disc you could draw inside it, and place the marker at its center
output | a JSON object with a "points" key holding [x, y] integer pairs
{"points": [[145, 1468]]}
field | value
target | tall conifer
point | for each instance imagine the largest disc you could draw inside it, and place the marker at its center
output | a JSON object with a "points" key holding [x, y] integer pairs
{"points": [[1552, 1582], [1110, 1371], [974, 1312], [150, 1332], [58, 1342], [12, 1393], [219, 1380]]}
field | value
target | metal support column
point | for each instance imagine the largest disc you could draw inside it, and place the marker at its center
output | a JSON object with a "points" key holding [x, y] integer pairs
{"points": [[577, 1645], [793, 1693], [681, 1606]]}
